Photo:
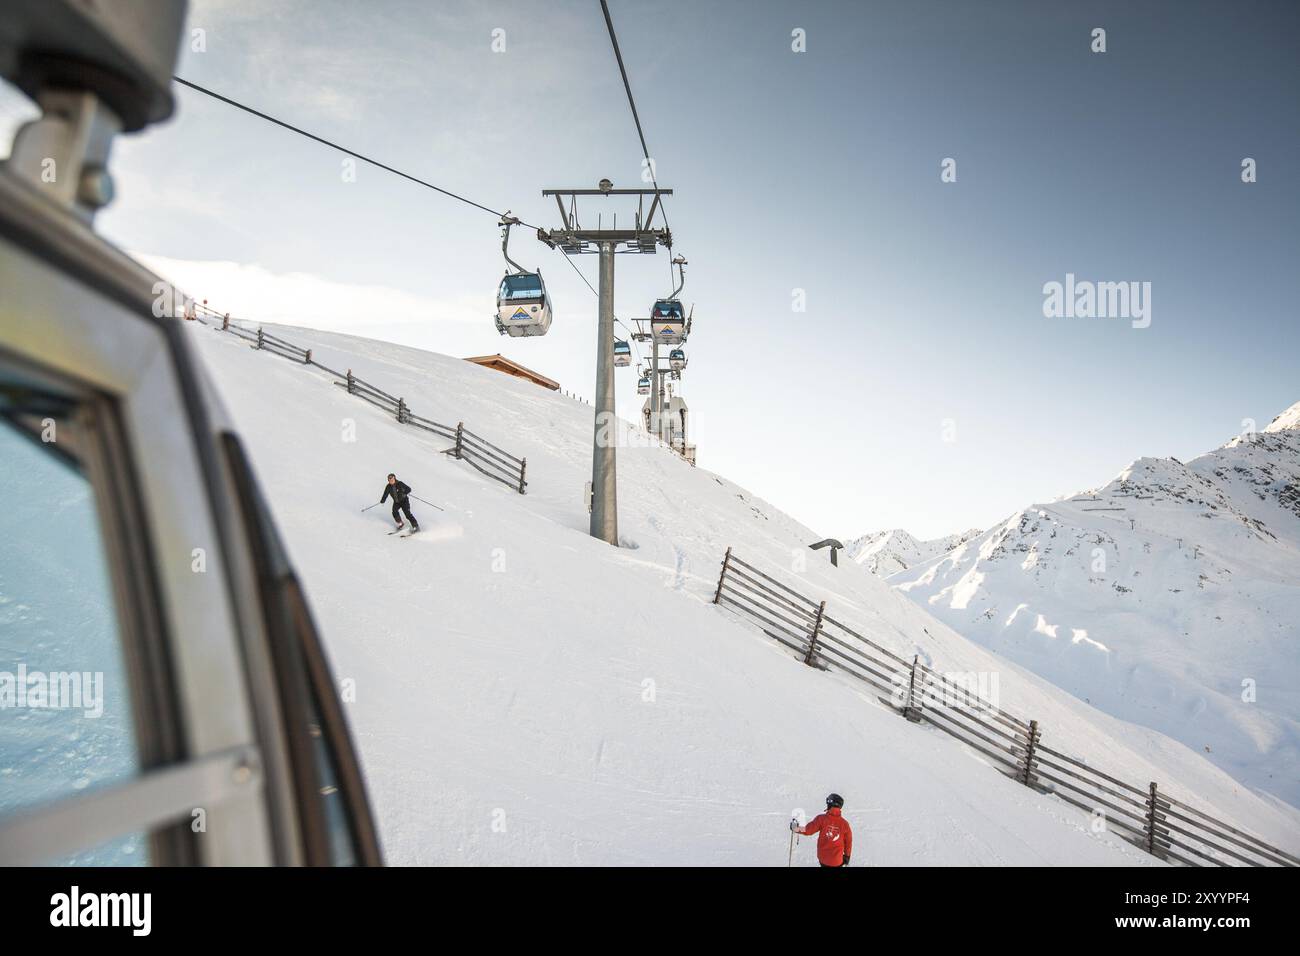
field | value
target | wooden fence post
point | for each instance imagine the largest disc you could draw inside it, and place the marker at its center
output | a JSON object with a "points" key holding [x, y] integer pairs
{"points": [[352, 383], [726, 560], [816, 631], [908, 709], [523, 469], [1151, 819], [1029, 753], [402, 410], [307, 359], [225, 322], [259, 336], [460, 428]]}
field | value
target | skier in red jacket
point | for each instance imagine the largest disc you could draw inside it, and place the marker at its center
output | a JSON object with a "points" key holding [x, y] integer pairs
{"points": [[834, 835]]}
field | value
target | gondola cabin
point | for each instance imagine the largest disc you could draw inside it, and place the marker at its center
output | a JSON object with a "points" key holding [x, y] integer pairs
{"points": [[677, 360], [643, 385], [668, 320], [523, 307], [622, 353]]}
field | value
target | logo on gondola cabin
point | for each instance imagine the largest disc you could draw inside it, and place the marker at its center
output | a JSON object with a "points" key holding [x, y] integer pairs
{"points": [[519, 314]]}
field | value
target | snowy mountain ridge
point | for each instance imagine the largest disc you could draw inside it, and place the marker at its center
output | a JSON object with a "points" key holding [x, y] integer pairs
{"points": [[1168, 597], [888, 552], [1289, 419]]}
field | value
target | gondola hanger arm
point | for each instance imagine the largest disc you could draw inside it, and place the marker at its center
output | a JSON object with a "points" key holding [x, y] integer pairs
{"points": [[507, 221], [679, 261]]}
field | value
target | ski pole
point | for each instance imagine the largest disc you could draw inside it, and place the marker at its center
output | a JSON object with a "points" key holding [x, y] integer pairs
{"points": [[429, 503], [790, 861], [375, 505]]}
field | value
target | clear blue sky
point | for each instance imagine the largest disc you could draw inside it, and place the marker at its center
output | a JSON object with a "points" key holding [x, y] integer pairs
{"points": [[816, 170]]}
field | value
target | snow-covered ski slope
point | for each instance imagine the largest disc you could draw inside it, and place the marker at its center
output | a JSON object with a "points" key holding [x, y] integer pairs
{"points": [[1170, 597], [526, 694]]}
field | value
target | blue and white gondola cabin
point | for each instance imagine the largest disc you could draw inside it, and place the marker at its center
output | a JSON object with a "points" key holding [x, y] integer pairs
{"points": [[668, 319], [523, 307]]}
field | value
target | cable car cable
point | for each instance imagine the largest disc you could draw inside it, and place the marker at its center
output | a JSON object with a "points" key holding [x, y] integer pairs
{"points": [[397, 172], [645, 150], [580, 273], [374, 162], [640, 132], [342, 149], [583, 277]]}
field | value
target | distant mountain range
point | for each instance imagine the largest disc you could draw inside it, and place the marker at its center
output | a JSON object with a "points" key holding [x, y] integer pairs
{"points": [[1169, 597], [887, 552]]}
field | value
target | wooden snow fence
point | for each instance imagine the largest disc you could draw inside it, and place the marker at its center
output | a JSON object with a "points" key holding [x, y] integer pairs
{"points": [[1148, 817], [473, 449]]}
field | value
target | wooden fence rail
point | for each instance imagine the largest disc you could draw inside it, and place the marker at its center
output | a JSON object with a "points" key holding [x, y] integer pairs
{"points": [[1145, 816], [474, 450]]}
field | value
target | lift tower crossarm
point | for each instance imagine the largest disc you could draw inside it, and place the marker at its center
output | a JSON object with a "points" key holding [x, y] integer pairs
{"points": [[607, 192], [574, 239]]}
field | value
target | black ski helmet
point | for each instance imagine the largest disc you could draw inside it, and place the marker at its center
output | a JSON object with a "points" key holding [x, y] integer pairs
{"points": [[834, 800]]}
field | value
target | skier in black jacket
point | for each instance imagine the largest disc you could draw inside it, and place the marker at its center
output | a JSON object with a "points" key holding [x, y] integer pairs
{"points": [[400, 492]]}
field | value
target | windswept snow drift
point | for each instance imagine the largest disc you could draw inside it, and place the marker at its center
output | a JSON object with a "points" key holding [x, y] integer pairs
{"points": [[1169, 597], [529, 695]]}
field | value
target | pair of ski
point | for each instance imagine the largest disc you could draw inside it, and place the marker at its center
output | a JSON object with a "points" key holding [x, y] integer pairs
{"points": [[398, 531]]}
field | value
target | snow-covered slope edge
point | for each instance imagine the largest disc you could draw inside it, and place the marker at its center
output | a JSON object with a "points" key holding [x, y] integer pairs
{"points": [[1170, 597], [526, 694]]}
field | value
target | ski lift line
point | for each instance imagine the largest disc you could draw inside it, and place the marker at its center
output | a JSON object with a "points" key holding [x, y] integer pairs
{"points": [[383, 166], [636, 118], [631, 339], [574, 265], [415, 179], [343, 149]]}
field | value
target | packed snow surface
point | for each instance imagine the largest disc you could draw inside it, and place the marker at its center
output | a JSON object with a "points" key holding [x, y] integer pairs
{"points": [[526, 694]]}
